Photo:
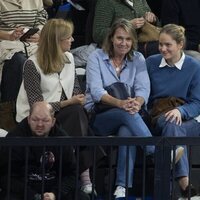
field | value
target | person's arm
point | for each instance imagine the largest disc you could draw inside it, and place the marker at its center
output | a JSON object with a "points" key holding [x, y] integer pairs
{"points": [[77, 88], [42, 16], [5, 35], [191, 108], [142, 82], [34, 92], [93, 77], [33, 88], [11, 35], [40, 21], [103, 19], [95, 81], [77, 98]]}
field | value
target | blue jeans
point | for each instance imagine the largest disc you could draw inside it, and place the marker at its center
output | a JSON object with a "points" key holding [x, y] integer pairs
{"points": [[170, 129], [119, 122]]}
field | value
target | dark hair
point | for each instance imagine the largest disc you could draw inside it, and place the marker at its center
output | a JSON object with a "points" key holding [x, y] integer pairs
{"points": [[177, 32], [129, 28]]}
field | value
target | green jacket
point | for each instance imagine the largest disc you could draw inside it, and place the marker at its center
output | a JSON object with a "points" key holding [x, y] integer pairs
{"points": [[107, 11]]}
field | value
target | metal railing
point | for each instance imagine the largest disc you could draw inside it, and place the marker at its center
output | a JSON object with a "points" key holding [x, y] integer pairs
{"points": [[164, 179]]}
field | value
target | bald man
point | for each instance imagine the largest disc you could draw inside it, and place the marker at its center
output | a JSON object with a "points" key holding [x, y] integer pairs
{"points": [[40, 123]]}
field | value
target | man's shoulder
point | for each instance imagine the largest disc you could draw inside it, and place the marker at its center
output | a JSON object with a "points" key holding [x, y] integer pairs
{"points": [[22, 129]]}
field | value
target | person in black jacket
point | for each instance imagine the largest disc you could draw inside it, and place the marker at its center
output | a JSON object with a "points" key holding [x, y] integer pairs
{"points": [[43, 165], [185, 13]]}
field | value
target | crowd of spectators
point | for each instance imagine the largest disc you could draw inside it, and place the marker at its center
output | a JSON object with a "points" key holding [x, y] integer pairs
{"points": [[42, 69]]}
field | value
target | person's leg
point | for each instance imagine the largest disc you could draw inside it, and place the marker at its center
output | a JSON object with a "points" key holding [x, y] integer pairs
{"points": [[131, 125], [113, 119], [187, 128], [169, 129], [74, 121], [122, 160], [12, 77]]}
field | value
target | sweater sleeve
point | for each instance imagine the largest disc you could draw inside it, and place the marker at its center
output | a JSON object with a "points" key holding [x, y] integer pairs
{"points": [[33, 88], [191, 108], [103, 19], [77, 88], [41, 17]]}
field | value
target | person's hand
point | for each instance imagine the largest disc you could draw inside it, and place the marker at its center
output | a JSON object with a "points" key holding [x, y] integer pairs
{"points": [[49, 196], [174, 116], [150, 17], [33, 38], [133, 106], [16, 34], [123, 104], [138, 22], [78, 99]]}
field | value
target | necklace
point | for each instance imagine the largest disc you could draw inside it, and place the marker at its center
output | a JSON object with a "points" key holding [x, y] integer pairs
{"points": [[117, 66]]}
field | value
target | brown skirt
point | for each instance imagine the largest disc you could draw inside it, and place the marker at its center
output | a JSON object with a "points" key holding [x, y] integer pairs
{"points": [[74, 120]]}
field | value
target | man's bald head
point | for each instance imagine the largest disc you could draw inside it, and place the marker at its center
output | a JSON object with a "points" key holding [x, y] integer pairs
{"points": [[43, 105]]}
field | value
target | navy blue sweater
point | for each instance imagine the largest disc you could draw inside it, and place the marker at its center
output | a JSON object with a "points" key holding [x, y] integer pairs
{"points": [[170, 81]]}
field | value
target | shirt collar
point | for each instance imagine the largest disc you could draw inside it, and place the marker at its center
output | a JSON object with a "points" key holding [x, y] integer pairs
{"points": [[178, 64], [106, 57]]}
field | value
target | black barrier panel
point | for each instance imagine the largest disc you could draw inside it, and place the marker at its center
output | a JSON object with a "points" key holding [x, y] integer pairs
{"points": [[154, 175]]}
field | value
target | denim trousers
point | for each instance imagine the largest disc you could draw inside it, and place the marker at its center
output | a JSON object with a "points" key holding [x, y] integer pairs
{"points": [[170, 129], [119, 122]]}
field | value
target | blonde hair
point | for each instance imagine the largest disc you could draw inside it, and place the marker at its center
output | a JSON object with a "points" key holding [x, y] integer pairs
{"points": [[177, 32], [128, 27], [49, 54]]}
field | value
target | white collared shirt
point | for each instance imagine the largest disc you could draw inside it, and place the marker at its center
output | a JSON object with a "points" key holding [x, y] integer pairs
{"points": [[178, 64]]}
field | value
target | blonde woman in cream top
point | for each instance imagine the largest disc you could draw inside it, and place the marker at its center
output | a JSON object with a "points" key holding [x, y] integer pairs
{"points": [[49, 75]]}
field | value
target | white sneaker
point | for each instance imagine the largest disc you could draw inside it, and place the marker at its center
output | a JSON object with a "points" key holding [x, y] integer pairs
{"points": [[88, 189], [178, 154], [120, 192]]}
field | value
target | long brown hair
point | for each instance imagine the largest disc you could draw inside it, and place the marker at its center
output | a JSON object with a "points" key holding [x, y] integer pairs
{"points": [[128, 27], [50, 56]]}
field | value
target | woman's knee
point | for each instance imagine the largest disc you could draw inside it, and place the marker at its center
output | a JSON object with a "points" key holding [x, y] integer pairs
{"points": [[124, 132], [172, 129]]}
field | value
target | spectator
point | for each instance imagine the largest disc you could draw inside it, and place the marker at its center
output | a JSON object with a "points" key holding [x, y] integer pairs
{"points": [[175, 99], [40, 123], [107, 11], [16, 17], [184, 13], [118, 61], [53, 71]]}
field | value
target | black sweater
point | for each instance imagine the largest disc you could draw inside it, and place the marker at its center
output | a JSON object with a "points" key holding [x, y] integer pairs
{"points": [[68, 179]]}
